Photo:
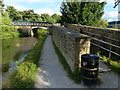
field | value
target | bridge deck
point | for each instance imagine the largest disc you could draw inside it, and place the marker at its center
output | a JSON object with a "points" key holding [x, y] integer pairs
{"points": [[31, 23]]}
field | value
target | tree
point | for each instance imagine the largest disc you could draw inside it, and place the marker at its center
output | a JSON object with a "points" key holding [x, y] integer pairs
{"points": [[6, 24], [6, 21], [1, 6], [47, 18], [57, 18], [13, 13], [7, 29], [36, 17], [29, 15], [85, 13], [21, 13]]}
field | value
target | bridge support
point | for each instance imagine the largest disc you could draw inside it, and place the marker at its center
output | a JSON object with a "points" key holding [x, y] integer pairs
{"points": [[30, 33]]}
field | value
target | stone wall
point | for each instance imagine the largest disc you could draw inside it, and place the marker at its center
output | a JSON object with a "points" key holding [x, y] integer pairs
{"points": [[106, 33], [111, 36], [71, 44], [50, 30]]}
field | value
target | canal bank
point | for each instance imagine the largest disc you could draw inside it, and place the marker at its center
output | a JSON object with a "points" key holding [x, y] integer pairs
{"points": [[24, 75], [12, 50]]}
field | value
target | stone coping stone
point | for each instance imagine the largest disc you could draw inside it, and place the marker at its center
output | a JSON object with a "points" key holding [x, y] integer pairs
{"points": [[72, 33], [110, 29]]}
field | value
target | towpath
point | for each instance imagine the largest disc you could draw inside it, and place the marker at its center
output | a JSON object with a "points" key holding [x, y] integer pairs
{"points": [[51, 74]]}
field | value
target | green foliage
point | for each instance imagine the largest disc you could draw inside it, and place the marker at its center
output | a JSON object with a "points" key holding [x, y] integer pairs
{"points": [[34, 54], [1, 3], [26, 69], [57, 18], [13, 13], [42, 31], [76, 75], [114, 65], [47, 18], [7, 33], [24, 76], [115, 27], [102, 24], [85, 13], [28, 15], [1, 6], [7, 29], [6, 19]]}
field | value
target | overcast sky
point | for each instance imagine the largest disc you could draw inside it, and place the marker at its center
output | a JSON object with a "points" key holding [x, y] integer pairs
{"points": [[53, 6]]}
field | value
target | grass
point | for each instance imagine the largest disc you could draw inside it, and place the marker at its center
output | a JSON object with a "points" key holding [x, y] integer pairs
{"points": [[34, 54], [24, 76], [76, 75], [114, 65]]}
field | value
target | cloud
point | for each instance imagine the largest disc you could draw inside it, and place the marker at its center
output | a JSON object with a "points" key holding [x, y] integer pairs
{"points": [[111, 15], [46, 10], [32, 1], [110, 2], [16, 5], [20, 8]]}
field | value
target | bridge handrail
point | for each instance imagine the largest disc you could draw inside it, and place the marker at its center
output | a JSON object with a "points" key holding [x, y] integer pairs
{"points": [[106, 43], [110, 44], [102, 36], [105, 49], [33, 22]]}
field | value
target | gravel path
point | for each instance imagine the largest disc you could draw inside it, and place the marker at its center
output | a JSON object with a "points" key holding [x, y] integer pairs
{"points": [[51, 74]]}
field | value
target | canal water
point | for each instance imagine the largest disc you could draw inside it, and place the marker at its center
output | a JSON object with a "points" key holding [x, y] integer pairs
{"points": [[15, 50]]}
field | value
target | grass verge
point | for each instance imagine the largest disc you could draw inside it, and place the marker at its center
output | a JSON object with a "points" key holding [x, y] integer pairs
{"points": [[25, 73], [114, 65], [76, 75]]}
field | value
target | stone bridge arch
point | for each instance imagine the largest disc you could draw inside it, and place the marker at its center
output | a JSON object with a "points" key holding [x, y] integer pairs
{"points": [[33, 31]]}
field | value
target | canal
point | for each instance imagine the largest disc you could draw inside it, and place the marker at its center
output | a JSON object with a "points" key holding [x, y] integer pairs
{"points": [[15, 50]]}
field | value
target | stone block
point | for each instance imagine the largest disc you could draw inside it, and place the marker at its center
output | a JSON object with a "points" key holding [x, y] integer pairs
{"points": [[71, 44]]}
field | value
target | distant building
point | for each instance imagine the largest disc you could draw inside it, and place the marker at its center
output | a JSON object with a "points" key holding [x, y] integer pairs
{"points": [[114, 24]]}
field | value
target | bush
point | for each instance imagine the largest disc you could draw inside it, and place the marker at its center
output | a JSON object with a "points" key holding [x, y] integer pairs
{"points": [[7, 32], [114, 65], [24, 76], [42, 31]]}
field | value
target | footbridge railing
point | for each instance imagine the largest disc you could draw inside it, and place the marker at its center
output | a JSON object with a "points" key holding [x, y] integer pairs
{"points": [[107, 40], [31, 23]]}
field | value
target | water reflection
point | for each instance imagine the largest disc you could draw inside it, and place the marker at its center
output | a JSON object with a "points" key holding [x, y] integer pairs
{"points": [[12, 49]]}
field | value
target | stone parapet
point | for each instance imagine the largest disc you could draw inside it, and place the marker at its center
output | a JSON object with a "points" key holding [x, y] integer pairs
{"points": [[107, 38], [71, 44], [108, 35]]}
